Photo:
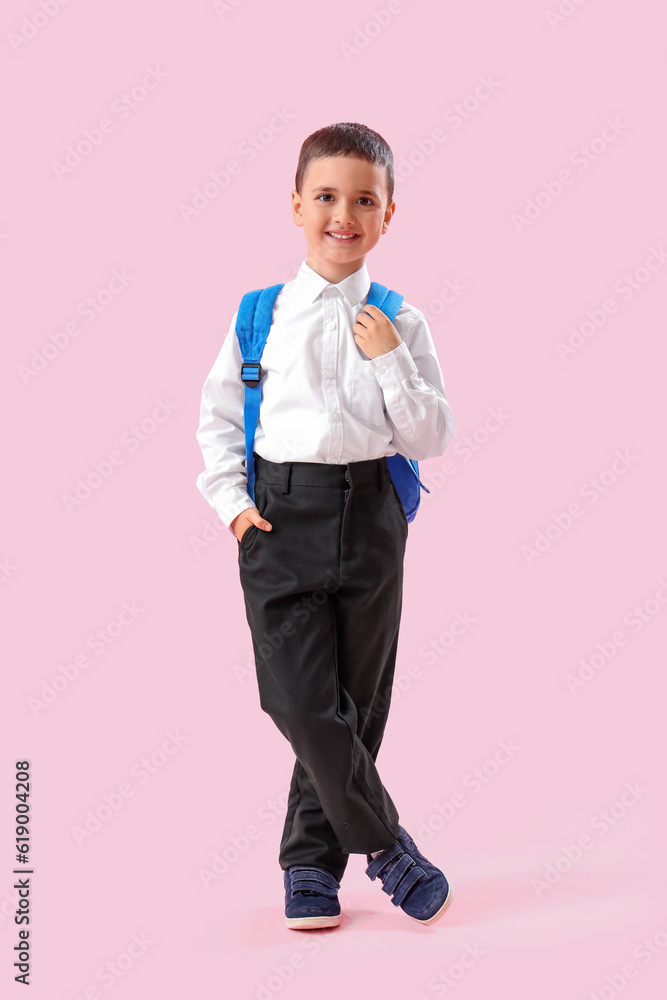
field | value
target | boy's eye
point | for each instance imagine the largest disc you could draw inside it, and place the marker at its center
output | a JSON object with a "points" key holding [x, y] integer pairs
{"points": [[362, 198]]}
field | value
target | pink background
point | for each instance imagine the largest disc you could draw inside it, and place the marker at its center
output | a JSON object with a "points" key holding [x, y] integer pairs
{"points": [[146, 537]]}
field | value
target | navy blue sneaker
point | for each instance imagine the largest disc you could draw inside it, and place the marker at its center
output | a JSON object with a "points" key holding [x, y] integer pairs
{"points": [[311, 897], [418, 887]]}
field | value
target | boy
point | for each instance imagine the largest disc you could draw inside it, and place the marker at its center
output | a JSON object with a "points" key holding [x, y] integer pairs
{"points": [[320, 551]]}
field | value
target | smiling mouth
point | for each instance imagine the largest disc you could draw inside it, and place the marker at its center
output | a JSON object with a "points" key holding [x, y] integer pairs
{"points": [[343, 237]]}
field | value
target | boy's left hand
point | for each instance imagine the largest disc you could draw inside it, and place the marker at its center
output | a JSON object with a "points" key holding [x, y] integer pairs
{"points": [[375, 333]]}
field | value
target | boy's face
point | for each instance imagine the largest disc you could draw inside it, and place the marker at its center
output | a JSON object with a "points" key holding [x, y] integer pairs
{"points": [[355, 202]]}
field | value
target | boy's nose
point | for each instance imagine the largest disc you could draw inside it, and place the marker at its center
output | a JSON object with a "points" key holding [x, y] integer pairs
{"points": [[344, 213]]}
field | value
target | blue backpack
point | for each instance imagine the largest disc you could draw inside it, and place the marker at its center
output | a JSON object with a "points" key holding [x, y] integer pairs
{"points": [[253, 324]]}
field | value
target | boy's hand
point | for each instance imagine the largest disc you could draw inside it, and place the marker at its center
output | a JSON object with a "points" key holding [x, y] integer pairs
{"points": [[249, 516], [375, 333]]}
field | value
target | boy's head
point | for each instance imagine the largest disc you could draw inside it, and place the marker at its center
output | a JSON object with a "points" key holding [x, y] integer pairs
{"points": [[344, 184]]}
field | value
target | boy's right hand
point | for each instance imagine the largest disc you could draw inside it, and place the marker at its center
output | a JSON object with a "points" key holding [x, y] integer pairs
{"points": [[249, 516]]}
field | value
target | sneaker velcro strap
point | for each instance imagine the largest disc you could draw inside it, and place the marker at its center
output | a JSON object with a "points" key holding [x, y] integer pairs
{"points": [[307, 879], [378, 863], [407, 882], [396, 873]]}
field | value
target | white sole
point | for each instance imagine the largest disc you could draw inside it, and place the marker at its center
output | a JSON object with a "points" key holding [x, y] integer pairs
{"points": [[305, 923]]}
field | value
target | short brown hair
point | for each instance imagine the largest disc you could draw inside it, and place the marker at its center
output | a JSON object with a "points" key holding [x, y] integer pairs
{"points": [[347, 139]]}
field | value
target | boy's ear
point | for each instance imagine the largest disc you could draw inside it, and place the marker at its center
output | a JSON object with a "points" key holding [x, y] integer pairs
{"points": [[296, 208], [387, 216]]}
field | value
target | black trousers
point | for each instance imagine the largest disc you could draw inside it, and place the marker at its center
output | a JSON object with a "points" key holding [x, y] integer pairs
{"points": [[323, 594]]}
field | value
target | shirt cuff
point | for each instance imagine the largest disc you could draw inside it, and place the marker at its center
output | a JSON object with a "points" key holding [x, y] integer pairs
{"points": [[394, 366], [233, 504]]}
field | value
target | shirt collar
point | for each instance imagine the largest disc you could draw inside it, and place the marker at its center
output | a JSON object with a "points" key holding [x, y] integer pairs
{"points": [[308, 284]]}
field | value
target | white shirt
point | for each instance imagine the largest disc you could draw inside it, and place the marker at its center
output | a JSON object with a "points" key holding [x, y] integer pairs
{"points": [[323, 399]]}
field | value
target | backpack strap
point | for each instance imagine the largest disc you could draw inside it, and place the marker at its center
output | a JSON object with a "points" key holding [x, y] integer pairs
{"points": [[388, 302], [253, 324]]}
